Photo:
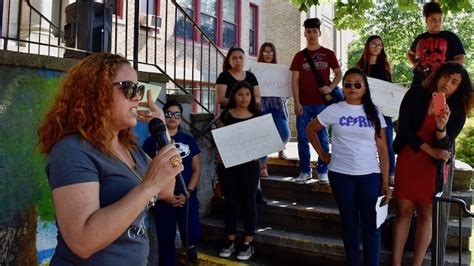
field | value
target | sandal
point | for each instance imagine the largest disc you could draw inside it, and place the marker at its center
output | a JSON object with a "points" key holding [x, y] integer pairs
{"points": [[282, 155], [263, 170]]}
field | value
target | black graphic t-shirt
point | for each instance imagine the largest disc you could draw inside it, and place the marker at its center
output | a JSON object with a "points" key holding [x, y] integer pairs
{"points": [[432, 50]]}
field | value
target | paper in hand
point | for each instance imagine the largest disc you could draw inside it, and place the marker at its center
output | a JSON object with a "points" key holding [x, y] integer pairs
{"points": [[382, 211]]}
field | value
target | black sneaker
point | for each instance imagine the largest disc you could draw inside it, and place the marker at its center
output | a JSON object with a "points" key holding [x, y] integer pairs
{"points": [[261, 199], [246, 251], [192, 255], [228, 249]]}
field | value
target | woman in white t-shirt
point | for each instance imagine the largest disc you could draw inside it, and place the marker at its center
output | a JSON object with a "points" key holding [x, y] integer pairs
{"points": [[358, 164]]}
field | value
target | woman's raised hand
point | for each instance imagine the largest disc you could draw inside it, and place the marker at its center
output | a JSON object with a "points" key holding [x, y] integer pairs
{"points": [[162, 171], [153, 112]]}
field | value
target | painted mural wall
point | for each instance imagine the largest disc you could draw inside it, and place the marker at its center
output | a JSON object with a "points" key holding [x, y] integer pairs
{"points": [[27, 229], [27, 226]]}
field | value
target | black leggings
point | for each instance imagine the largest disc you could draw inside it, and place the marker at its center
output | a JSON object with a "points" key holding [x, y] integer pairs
{"points": [[239, 184]]}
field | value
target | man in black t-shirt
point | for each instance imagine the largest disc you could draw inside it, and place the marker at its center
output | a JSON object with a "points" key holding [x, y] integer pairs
{"points": [[431, 49]]}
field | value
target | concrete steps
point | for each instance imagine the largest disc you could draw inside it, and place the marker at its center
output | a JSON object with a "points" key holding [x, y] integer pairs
{"points": [[287, 247], [301, 223]]}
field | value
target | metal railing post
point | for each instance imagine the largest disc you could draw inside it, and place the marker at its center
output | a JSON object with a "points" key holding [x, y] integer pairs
{"points": [[136, 32]]}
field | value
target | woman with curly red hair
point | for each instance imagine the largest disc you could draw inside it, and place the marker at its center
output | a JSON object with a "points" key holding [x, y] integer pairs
{"points": [[102, 183]]}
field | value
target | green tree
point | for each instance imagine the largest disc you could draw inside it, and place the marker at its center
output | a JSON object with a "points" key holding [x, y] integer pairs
{"points": [[398, 28], [354, 20], [465, 145]]}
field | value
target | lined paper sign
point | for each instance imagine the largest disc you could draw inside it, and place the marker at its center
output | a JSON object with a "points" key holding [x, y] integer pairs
{"points": [[273, 79], [387, 96], [248, 140]]}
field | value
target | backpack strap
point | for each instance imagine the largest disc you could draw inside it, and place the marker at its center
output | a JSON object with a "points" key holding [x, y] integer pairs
{"points": [[317, 77]]}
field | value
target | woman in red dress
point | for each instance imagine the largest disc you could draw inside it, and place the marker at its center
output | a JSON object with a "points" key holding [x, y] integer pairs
{"points": [[422, 141]]}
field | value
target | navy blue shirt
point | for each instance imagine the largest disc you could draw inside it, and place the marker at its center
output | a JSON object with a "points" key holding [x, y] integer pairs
{"points": [[187, 147]]}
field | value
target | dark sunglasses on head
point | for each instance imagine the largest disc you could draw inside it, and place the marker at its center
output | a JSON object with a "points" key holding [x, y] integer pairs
{"points": [[357, 85], [169, 114], [130, 89]]}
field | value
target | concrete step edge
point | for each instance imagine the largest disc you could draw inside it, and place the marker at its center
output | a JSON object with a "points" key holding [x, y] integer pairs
{"points": [[311, 185], [320, 244]]}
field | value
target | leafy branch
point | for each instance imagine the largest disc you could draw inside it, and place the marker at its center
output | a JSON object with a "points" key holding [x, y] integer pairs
{"points": [[354, 14]]}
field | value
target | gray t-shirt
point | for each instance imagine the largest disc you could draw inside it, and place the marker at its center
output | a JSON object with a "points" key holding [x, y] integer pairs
{"points": [[74, 160]]}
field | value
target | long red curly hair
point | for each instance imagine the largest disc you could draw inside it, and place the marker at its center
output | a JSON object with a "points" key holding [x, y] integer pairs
{"points": [[83, 106]]}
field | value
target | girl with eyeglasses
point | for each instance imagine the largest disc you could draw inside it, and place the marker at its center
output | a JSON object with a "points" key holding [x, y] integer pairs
{"points": [[233, 71], [172, 210], [239, 183], [277, 107], [423, 144], [358, 164], [375, 64], [102, 183]]}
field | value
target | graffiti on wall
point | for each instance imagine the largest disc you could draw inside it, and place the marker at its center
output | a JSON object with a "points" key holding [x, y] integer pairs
{"points": [[27, 229]]}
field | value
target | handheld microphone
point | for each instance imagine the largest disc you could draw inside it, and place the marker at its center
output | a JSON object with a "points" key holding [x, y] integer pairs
{"points": [[159, 133]]}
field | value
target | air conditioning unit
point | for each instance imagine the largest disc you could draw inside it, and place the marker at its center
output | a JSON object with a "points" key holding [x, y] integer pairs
{"points": [[150, 21]]}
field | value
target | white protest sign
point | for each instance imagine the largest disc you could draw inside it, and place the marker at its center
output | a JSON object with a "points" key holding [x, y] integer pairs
{"points": [[273, 79], [382, 211], [248, 140], [387, 96]]}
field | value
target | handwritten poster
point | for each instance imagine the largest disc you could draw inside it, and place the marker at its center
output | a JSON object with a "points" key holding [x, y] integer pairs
{"points": [[387, 96], [273, 79], [248, 140]]}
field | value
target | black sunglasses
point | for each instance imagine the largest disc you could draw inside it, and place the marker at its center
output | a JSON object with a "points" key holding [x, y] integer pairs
{"points": [[169, 114], [357, 85], [131, 89]]}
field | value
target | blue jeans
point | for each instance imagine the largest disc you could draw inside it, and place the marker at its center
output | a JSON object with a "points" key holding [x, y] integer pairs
{"points": [[356, 196], [391, 154], [302, 121], [166, 217], [281, 123]]}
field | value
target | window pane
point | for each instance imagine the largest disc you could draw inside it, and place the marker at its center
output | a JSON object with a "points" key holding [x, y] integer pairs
{"points": [[229, 37], [209, 7], [209, 26], [229, 7], [252, 42], [186, 4], [151, 6], [252, 17], [184, 30]]}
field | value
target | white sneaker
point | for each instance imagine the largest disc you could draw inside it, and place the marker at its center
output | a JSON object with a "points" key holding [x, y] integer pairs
{"points": [[323, 178], [246, 251], [302, 178], [228, 249]]}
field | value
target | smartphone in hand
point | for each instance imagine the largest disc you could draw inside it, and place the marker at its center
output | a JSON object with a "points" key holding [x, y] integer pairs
{"points": [[439, 103]]}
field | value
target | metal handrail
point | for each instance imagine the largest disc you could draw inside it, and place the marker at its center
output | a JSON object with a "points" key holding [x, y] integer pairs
{"points": [[43, 17], [197, 49], [441, 213], [437, 251]]}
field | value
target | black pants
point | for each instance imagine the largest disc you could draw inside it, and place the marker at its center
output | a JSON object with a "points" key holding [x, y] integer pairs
{"points": [[239, 184]]}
